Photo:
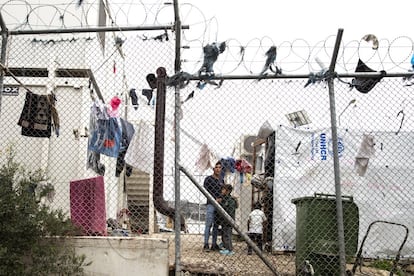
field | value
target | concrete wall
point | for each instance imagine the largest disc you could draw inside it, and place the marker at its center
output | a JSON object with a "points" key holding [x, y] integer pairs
{"points": [[125, 256]]}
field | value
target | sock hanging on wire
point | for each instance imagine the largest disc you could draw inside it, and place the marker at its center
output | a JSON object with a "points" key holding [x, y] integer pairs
{"points": [[134, 98], [147, 93], [152, 80]]}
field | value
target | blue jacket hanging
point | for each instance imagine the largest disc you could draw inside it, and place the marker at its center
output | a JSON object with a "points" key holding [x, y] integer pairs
{"points": [[106, 138]]}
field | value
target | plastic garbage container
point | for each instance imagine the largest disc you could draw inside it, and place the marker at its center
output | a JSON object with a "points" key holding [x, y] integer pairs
{"points": [[317, 232]]}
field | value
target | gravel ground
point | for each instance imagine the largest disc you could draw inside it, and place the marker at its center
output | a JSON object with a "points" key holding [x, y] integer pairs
{"points": [[196, 262]]}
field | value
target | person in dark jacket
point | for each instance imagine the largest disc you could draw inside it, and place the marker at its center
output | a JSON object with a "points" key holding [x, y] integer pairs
{"points": [[212, 184], [229, 204]]}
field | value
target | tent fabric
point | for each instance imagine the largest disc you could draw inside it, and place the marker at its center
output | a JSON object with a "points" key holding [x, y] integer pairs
{"points": [[383, 193]]}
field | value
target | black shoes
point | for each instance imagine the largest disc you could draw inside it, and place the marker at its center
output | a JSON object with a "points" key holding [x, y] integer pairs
{"points": [[215, 247]]}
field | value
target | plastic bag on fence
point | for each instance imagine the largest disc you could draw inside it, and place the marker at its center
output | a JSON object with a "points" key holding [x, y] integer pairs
{"points": [[364, 84], [106, 138]]}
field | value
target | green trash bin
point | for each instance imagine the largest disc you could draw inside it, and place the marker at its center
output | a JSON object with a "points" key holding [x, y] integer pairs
{"points": [[317, 232]]}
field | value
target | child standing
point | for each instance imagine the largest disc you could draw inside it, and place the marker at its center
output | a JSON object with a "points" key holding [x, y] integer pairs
{"points": [[229, 205], [255, 224]]}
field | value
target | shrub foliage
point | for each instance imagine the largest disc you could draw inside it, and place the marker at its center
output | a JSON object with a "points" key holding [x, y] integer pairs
{"points": [[32, 235]]}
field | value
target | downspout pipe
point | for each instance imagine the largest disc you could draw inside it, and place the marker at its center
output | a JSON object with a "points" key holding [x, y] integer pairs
{"points": [[158, 192], [4, 38]]}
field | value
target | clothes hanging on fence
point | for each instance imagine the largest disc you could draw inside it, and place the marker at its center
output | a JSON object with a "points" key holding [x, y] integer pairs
{"points": [[140, 153], [127, 134], [93, 158], [134, 98], [228, 166], [205, 159], [87, 205], [39, 116], [94, 162], [106, 137], [365, 152], [111, 129], [364, 84], [113, 108], [243, 167]]}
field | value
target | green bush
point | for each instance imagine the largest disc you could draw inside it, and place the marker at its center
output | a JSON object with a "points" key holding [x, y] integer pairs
{"points": [[29, 227]]}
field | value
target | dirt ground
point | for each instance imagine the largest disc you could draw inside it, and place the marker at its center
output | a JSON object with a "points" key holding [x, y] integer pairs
{"points": [[196, 262]]}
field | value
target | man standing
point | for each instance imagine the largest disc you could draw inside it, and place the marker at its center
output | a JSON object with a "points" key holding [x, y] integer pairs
{"points": [[212, 184]]}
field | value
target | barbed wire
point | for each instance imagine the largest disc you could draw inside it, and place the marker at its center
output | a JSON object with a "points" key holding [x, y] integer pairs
{"points": [[296, 56]]}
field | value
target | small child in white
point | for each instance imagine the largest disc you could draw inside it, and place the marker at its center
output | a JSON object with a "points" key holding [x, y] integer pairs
{"points": [[255, 224]]}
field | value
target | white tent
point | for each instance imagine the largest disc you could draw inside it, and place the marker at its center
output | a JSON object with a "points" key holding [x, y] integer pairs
{"points": [[304, 166]]}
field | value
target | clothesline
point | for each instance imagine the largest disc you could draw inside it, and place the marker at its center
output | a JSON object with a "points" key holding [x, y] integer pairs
{"points": [[5, 69]]}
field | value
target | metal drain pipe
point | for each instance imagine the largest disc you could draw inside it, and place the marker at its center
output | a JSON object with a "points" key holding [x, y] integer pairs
{"points": [[158, 193]]}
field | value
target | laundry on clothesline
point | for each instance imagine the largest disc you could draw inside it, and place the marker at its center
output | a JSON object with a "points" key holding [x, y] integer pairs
{"points": [[39, 116], [105, 131]]}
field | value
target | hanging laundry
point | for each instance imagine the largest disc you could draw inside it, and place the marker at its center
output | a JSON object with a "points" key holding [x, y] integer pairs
{"points": [[243, 166], [39, 115], [106, 135], [134, 98], [152, 80], [98, 111], [126, 137], [270, 62], [94, 162], [365, 84], [148, 94], [87, 205], [228, 166], [205, 159], [113, 111], [140, 153], [211, 53], [365, 152]]}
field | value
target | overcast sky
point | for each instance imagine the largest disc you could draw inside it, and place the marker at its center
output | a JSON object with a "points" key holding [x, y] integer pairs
{"points": [[281, 20], [310, 20], [271, 22]]}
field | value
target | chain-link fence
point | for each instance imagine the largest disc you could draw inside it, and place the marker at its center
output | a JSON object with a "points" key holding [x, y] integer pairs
{"points": [[99, 123], [292, 170]]}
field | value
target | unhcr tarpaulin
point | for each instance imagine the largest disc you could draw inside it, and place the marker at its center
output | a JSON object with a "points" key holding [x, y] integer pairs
{"points": [[382, 190]]}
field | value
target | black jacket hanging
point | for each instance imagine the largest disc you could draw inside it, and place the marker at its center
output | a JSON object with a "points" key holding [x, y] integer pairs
{"points": [[126, 137], [38, 115]]}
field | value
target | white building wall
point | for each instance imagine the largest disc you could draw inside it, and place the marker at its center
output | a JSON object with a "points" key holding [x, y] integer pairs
{"points": [[123, 256]]}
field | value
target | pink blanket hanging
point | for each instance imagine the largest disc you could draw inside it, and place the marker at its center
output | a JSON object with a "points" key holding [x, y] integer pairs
{"points": [[87, 205]]}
